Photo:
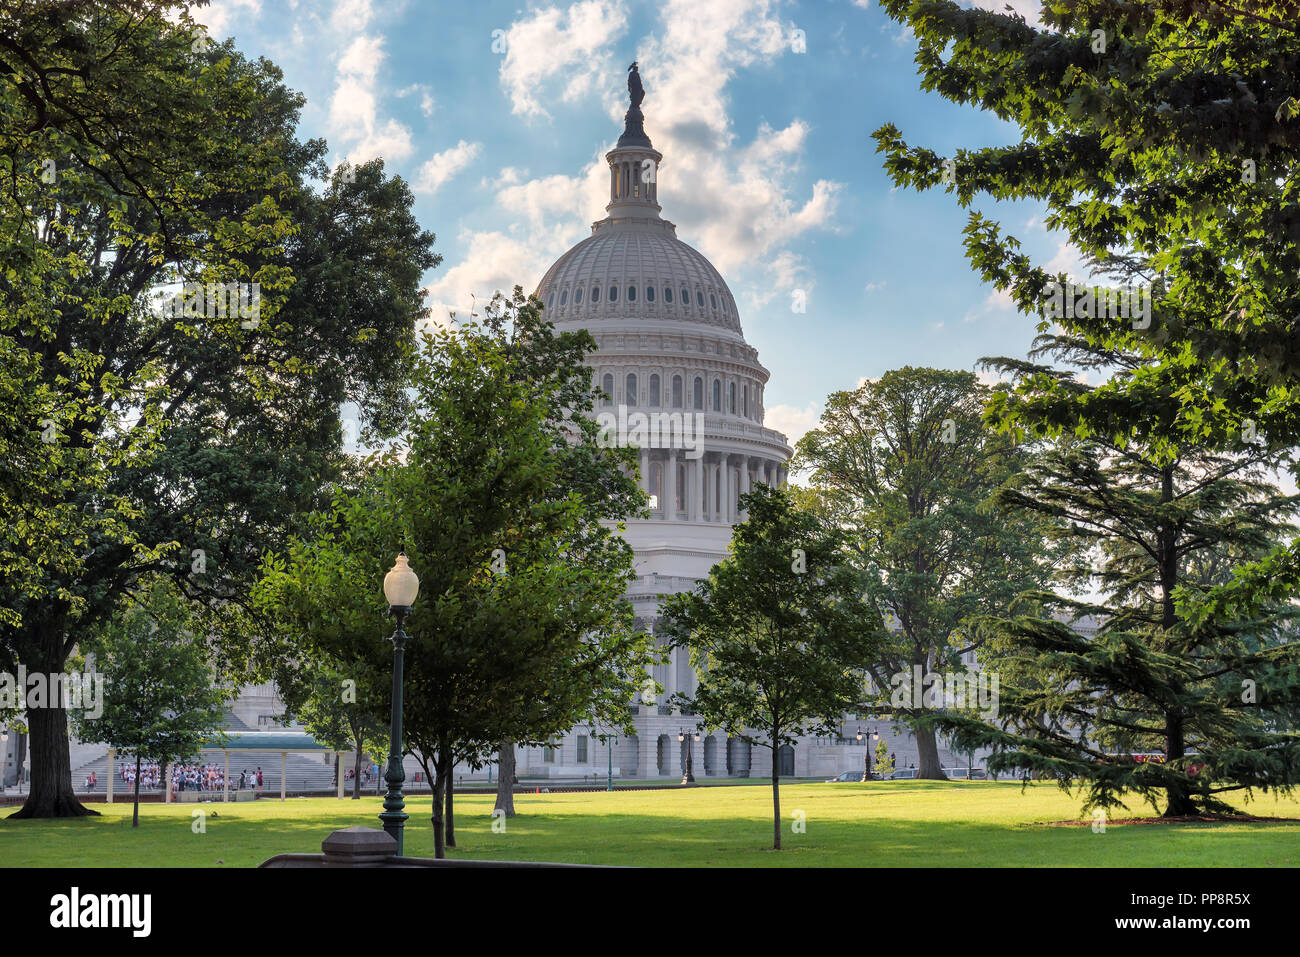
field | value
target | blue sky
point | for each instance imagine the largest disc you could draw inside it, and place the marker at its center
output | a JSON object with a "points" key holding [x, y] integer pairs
{"points": [[498, 114]]}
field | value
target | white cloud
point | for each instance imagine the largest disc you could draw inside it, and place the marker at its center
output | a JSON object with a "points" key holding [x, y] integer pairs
{"points": [[996, 301], [437, 171], [1069, 260], [573, 43], [427, 103], [353, 114], [792, 421], [219, 15], [874, 286], [494, 262]]}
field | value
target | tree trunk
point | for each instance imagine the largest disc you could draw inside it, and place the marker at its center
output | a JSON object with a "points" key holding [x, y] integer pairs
{"points": [[135, 811], [928, 765], [50, 792], [439, 849], [506, 779], [449, 820], [356, 773], [776, 796]]}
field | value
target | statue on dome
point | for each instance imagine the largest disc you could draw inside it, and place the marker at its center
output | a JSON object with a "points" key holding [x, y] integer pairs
{"points": [[633, 126], [634, 86]]}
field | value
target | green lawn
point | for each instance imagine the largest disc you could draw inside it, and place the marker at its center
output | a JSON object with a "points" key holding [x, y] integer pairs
{"points": [[894, 824]]}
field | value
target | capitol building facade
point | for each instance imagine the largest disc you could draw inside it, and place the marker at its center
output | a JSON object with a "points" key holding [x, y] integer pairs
{"points": [[670, 346]]}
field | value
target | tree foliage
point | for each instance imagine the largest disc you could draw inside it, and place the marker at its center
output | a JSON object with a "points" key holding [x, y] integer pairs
{"points": [[775, 632], [906, 467]]}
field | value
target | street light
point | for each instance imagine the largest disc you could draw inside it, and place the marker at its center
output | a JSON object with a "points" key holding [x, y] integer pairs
{"points": [[609, 751], [400, 588], [688, 737], [867, 774]]}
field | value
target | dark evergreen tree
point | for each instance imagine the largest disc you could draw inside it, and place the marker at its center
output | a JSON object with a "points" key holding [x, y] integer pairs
{"points": [[1215, 696]]}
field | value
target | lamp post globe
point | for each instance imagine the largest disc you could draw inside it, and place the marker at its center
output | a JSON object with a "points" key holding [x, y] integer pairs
{"points": [[401, 586]]}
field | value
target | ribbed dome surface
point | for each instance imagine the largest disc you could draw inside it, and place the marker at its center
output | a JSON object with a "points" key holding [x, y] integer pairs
{"points": [[637, 271]]}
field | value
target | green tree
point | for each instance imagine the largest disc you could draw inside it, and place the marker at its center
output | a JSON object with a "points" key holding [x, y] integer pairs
{"points": [[905, 466], [334, 715], [775, 632], [884, 764], [162, 701], [1217, 697], [1166, 131], [505, 504], [144, 441]]}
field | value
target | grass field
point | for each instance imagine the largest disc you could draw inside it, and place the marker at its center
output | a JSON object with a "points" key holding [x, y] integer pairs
{"points": [[887, 824]]}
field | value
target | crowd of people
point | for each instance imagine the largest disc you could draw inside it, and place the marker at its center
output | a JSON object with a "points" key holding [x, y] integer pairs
{"points": [[184, 777]]}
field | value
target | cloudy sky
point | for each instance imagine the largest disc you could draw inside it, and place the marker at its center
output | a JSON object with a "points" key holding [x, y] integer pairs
{"points": [[498, 115]]}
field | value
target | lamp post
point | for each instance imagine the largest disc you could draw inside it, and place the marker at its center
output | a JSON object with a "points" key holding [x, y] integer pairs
{"points": [[609, 751], [867, 774], [689, 737], [400, 588]]}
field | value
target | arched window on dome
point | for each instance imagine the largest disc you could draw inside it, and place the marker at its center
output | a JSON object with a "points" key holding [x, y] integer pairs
{"points": [[713, 300], [668, 295], [629, 394], [613, 293], [577, 296], [717, 396], [595, 294], [631, 293], [732, 406], [677, 392], [699, 393], [746, 407], [686, 296], [681, 487], [607, 386], [550, 300], [564, 298], [649, 293], [699, 299], [654, 390]]}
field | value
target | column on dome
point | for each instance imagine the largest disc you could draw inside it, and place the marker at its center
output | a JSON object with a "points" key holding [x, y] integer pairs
{"points": [[725, 475], [744, 484], [696, 470], [669, 510]]}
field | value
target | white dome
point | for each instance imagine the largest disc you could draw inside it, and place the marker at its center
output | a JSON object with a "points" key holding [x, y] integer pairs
{"points": [[637, 271]]}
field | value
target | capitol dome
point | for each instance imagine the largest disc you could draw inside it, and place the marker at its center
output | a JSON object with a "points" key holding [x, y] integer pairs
{"points": [[669, 348], [637, 272]]}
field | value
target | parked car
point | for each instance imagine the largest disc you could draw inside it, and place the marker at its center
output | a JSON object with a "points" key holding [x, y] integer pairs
{"points": [[846, 776], [903, 774]]}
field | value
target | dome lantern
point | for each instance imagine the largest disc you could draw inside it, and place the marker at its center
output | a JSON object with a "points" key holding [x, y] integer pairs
{"points": [[634, 162]]}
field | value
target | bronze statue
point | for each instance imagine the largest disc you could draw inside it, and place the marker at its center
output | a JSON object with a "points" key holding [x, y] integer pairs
{"points": [[633, 130], [634, 86]]}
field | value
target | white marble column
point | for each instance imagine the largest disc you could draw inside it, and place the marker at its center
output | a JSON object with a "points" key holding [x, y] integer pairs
{"points": [[669, 510], [744, 484], [724, 484], [696, 470]]}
